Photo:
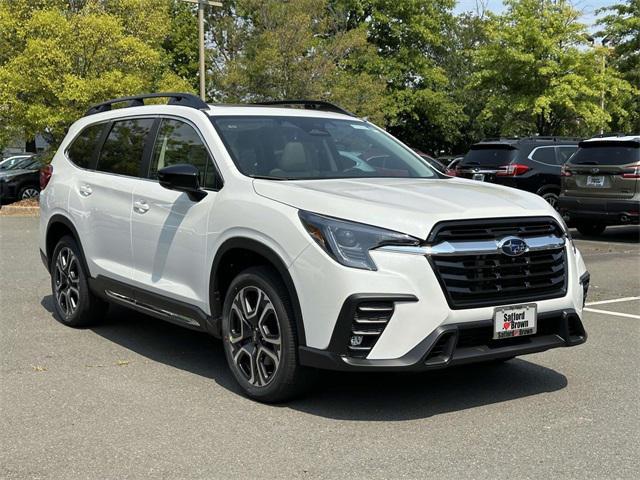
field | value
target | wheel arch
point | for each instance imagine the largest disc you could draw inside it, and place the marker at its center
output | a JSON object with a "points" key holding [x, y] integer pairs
{"points": [[223, 270], [57, 227], [548, 188]]}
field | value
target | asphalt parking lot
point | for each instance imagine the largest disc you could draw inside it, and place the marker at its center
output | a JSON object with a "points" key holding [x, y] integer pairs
{"points": [[139, 398]]}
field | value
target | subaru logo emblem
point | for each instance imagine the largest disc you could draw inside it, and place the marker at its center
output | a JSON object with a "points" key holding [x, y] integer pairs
{"points": [[595, 170], [513, 246]]}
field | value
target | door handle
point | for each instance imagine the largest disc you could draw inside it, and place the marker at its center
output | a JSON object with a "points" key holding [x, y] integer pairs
{"points": [[140, 206], [85, 190]]}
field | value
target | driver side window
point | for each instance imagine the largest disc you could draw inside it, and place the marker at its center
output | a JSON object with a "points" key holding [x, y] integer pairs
{"points": [[178, 143]]}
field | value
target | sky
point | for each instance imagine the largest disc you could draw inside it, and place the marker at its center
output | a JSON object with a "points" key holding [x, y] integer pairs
{"points": [[587, 7]]}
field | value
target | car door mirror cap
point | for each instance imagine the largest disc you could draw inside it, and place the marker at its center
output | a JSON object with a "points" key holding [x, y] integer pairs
{"points": [[182, 177]]}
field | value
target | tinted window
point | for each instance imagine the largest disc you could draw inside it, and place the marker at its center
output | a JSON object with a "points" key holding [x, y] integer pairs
{"points": [[122, 150], [488, 156], [308, 148], [564, 153], [178, 142], [545, 155], [607, 154], [82, 148]]}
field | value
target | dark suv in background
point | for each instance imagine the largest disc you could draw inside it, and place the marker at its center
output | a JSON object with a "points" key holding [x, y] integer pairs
{"points": [[600, 184], [532, 164]]}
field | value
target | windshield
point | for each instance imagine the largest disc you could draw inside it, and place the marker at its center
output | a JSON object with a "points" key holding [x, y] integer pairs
{"points": [[620, 154], [11, 162], [303, 148], [488, 156]]}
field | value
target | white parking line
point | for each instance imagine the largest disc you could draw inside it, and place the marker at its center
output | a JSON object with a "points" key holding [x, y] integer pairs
{"points": [[617, 314], [615, 300]]}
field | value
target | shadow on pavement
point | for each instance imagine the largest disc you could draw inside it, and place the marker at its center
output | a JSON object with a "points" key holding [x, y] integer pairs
{"points": [[337, 395], [624, 234]]}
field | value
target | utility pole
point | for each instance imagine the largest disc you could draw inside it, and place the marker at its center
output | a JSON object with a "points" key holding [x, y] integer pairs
{"points": [[201, 4], [605, 40]]}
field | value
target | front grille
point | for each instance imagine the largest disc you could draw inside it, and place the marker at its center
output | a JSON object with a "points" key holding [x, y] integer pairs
{"points": [[489, 229], [472, 280]]}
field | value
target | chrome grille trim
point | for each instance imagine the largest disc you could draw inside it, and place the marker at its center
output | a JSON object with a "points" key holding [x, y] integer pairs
{"points": [[477, 247]]}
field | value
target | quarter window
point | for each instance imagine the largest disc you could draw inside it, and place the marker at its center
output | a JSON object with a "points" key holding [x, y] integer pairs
{"points": [[564, 153], [123, 148], [545, 155], [178, 143], [81, 150]]}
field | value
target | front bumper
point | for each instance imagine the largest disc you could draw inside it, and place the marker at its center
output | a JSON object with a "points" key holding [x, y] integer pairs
{"points": [[457, 344], [599, 210]]}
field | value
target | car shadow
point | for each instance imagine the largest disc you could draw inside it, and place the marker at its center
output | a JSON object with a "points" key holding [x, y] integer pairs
{"points": [[337, 395], [621, 234]]}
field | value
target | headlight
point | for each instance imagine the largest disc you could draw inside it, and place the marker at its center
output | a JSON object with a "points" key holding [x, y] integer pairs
{"points": [[348, 243]]}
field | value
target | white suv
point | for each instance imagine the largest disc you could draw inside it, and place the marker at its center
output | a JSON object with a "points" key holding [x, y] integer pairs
{"points": [[304, 237]]}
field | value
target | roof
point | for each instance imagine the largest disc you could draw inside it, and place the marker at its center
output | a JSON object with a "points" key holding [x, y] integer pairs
{"points": [[615, 138]]}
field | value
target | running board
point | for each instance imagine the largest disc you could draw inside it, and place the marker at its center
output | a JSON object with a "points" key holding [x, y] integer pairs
{"points": [[151, 310]]}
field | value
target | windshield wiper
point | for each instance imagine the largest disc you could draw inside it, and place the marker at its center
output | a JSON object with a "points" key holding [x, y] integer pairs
{"points": [[268, 177]]}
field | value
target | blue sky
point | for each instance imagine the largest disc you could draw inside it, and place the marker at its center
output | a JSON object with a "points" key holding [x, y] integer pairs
{"points": [[587, 7]]}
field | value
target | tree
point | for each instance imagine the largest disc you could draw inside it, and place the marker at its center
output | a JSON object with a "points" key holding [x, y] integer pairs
{"points": [[538, 76], [621, 30], [64, 56], [273, 50]]}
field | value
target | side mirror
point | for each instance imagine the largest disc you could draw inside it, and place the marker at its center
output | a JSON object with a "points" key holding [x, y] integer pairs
{"points": [[182, 178]]}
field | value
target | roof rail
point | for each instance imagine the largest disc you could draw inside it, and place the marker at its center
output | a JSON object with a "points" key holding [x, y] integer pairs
{"points": [[307, 104], [183, 99], [611, 134]]}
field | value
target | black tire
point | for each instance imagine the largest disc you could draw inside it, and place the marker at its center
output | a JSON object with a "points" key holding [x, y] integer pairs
{"points": [[287, 378], [591, 229], [75, 305]]}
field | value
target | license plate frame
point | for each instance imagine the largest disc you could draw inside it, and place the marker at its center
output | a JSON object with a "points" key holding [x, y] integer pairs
{"points": [[504, 315], [595, 181]]}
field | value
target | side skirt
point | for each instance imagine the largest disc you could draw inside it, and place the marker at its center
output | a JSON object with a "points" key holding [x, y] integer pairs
{"points": [[158, 306]]}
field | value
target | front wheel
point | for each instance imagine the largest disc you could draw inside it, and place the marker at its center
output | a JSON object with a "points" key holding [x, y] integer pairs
{"points": [[552, 199], [591, 229], [259, 336]]}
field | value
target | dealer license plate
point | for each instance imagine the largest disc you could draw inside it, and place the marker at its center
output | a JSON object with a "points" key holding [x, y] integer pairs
{"points": [[478, 176], [597, 182], [514, 321]]}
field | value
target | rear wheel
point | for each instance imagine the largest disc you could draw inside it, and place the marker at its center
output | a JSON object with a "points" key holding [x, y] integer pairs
{"points": [[259, 335], [74, 303], [551, 198], [591, 229]]}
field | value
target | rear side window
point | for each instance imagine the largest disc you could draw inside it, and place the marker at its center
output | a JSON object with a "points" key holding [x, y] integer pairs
{"points": [[81, 150], [607, 154], [544, 155], [123, 148], [178, 143]]}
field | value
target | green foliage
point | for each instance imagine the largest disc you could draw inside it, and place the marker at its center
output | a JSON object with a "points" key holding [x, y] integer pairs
{"points": [[64, 58], [436, 80], [621, 30], [539, 76]]}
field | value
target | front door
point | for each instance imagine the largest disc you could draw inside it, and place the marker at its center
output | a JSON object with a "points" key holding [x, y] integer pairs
{"points": [[168, 228]]}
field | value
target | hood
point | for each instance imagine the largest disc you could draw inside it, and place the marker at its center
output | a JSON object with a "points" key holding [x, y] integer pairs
{"points": [[411, 206]]}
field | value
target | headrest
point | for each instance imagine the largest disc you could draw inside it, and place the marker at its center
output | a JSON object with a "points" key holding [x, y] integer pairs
{"points": [[294, 158]]}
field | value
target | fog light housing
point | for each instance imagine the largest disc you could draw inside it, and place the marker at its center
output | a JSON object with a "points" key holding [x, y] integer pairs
{"points": [[355, 340]]}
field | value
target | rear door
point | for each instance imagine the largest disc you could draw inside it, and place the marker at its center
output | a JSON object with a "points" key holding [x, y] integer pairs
{"points": [[169, 230], [600, 169], [101, 198]]}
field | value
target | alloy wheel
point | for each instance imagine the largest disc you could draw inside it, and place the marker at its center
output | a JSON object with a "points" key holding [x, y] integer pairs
{"points": [[552, 199], [67, 281], [254, 336], [30, 193]]}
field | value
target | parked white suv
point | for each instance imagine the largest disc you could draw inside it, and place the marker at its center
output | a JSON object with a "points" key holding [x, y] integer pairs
{"points": [[304, 237]]}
